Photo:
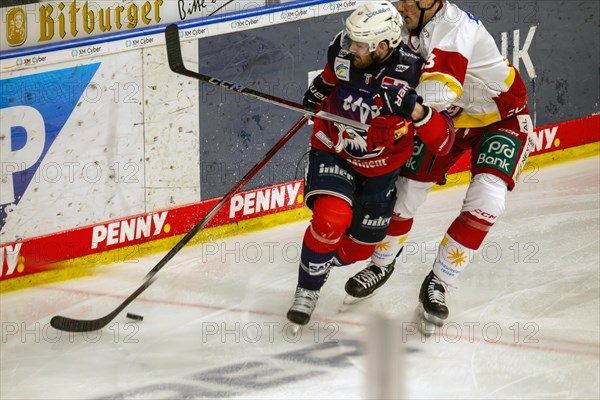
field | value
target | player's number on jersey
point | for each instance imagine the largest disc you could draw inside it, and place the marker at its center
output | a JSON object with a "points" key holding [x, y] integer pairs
{"points": [[430, 63]]}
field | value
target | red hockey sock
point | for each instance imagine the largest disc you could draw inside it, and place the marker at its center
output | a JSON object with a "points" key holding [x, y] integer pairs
{"points": [[350, 251], [469, 231], [399, 227]]}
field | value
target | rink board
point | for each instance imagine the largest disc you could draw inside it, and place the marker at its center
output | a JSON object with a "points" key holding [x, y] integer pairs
{"points": [[76, 250], [117, 128]]}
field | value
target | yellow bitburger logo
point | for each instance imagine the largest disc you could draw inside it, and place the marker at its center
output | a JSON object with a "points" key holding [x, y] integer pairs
{"points": [[16, 27]]}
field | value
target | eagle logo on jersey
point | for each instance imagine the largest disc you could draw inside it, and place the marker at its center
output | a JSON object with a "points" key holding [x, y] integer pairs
{"points": [[352, 142]]}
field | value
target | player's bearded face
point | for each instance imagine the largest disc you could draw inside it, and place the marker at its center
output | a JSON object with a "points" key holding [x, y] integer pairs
{"points": [[363, 58]]}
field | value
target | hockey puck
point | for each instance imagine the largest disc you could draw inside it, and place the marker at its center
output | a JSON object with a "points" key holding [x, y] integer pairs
{"points": [[135, 317]]}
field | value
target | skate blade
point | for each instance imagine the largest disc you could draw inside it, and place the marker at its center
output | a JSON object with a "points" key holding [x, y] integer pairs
{"points": [[426, 323], [429, 317], [295, 328], [426, 328], [349, 300]]}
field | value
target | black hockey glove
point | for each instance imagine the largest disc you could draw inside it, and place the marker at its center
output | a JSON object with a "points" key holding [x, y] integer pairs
{"points": [[317, 92], [397, 100]]}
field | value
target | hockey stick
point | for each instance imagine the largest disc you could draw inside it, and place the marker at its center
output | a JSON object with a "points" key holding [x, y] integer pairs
{"points": [[177, 65], [79, 325]]}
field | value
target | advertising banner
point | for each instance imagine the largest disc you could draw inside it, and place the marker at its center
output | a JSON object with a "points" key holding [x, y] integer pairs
{"points": [[71, 147], [43, 253], [51, 21], [102, 146]]}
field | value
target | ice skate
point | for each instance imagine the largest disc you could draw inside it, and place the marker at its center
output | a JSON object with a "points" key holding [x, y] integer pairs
{"points": [[304, 304], [364, 284], [432, 309], [425, 326]]}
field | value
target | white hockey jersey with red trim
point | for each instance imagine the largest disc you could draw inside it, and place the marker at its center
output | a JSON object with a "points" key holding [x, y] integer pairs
{"points": [[464, 72]]}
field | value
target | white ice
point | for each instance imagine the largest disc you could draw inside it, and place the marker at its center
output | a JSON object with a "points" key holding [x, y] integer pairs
{"points": [[524, 320]]}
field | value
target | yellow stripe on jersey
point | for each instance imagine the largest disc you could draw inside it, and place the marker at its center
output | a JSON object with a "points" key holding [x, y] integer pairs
{"points": [[475, 120], [447, 80], [510, 79]]}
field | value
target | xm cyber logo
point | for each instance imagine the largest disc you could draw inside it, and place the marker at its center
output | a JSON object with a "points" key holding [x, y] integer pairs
{"points": [[34, 109], [498, 150]]}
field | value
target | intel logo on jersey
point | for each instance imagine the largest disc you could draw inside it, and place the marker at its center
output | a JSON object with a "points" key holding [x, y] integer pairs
{"points": [[34, 110]]}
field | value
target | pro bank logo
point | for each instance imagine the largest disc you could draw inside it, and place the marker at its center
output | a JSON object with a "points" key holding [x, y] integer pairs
{"points": [[498, 150], [413, 164], [16, 27], [34, 109]]}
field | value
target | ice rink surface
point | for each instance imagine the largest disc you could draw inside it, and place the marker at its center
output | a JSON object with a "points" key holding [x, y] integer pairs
{"points": [[524, 321]]}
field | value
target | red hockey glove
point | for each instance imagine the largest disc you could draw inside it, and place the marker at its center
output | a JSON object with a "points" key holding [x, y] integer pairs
{"points": [[385, 130], [436, 130], [397, 100]]}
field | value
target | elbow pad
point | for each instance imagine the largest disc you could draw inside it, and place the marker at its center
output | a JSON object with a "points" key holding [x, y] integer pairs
{"points": [[436, 130]]}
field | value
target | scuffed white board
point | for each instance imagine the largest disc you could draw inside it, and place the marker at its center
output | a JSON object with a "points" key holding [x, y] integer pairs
{"points": [[171, 123]]}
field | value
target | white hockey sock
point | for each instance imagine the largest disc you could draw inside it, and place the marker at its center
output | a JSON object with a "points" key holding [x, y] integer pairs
{"points": [[451, 260], [387, 250]]}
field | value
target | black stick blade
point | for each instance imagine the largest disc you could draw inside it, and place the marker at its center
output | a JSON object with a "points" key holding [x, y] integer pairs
{"points": [[76, 325], [174, 48], [87, 325]]}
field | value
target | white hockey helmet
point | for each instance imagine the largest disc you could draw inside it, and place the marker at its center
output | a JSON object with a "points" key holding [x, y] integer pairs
{"points": [[374, 22]]}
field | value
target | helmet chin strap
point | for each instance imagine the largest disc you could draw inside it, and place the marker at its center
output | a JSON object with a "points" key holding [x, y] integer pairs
{"points": [[420, 24]]}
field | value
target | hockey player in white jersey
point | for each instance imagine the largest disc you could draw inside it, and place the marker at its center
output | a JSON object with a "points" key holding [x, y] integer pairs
{"points": [[466, 76]]}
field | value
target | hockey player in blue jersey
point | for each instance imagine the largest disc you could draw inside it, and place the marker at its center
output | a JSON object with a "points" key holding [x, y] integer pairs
{"points": [[351, 174]]}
